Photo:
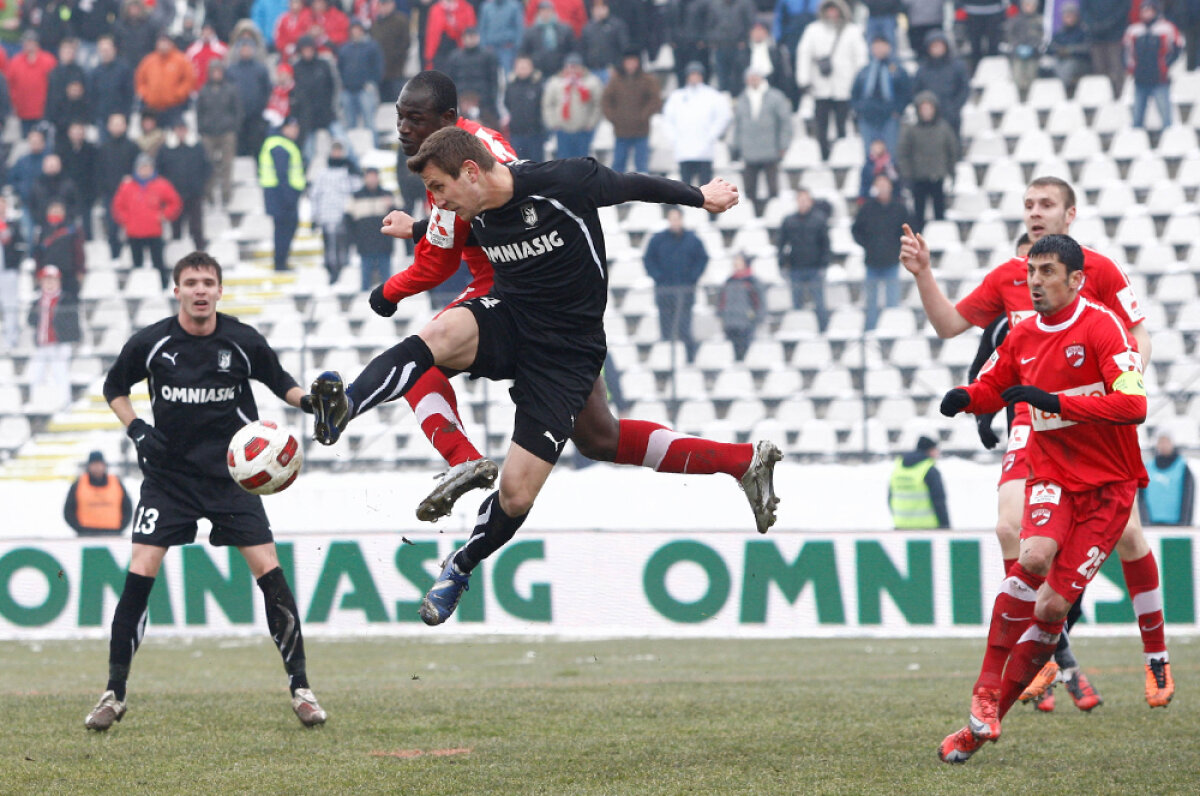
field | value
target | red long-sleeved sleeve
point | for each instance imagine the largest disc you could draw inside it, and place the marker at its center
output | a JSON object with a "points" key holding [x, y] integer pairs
{"points": [[1116, 408]]}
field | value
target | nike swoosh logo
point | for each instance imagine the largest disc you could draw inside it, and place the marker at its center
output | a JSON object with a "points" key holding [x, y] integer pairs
{"points": [[1020, 282], [1154, 627], [1025, 361], [1075, 585], [1015, 618], [139, 439]]}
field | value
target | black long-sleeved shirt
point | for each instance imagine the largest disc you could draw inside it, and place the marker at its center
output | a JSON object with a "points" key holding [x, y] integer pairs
{"points": [[199, 386], [546, 245]]}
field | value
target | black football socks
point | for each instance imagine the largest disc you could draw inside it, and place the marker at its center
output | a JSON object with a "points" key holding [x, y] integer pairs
{"points": [[283, 620], [493, 528], [389, 375], [128, 626]]}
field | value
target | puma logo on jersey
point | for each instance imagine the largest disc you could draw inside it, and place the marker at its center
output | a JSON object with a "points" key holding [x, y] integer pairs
{"points": [[522, 250], [171, 357]]}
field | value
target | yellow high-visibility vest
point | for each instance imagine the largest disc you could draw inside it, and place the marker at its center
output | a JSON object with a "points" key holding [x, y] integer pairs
{"points": [[911, 504], [267, 178]]}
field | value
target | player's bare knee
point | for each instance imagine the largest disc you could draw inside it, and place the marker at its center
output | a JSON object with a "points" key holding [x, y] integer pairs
{"points": [[596, 440], [1050, 606], [516, 501], [1008, 534], [1132, 545], [1036, 560]]}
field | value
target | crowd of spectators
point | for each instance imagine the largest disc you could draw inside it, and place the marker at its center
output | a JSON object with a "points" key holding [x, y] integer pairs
{"points": [[202, 82]]}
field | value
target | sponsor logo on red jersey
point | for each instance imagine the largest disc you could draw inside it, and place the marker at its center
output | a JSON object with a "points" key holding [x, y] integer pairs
{"points": [[1045, 492]]}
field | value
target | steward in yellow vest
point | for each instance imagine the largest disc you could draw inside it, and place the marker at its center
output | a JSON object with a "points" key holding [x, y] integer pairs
{"points": [[916, 495]]}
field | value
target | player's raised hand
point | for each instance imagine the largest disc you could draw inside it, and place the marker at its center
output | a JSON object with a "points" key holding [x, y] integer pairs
{"points": [[914, 251], [719, 195], [398, 224]]}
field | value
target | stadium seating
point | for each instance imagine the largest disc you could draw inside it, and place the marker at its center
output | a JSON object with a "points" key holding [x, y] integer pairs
{"points": [[820, 395]]}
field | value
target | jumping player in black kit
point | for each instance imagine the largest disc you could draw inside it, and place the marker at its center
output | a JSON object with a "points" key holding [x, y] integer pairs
{"points": [[198, 365], [542, 324]]}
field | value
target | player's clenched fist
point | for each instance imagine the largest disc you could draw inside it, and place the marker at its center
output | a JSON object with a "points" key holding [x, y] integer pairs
{"points": [[914, 251], [380, 304], [397, 224], [719, 195]]}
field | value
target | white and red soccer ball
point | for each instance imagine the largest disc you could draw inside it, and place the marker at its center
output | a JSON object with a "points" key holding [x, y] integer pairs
{"points": [[263, 458]]}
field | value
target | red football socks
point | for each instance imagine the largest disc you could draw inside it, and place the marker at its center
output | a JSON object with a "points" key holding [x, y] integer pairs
{"points": [[1141, 578], [1012, 614], [1030, 654], [647, 444], [436, 406]]}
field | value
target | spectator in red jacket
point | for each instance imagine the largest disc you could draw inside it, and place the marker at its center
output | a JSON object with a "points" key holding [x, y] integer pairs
{"points": [[331, 26], [444, 31], [205, 50], [29, 81], [297, 21], [142, 205], [570, 12]]}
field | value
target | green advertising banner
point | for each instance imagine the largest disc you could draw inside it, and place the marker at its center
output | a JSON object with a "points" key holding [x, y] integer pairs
{"points": [[576, 584]]}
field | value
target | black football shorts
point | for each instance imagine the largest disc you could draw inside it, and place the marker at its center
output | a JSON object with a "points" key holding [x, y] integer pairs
{"points": [[552, 372], [171, 503]]}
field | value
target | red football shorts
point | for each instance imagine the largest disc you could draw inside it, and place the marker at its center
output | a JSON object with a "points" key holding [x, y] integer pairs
{"points": [[1014, 465], [1085, 525]]}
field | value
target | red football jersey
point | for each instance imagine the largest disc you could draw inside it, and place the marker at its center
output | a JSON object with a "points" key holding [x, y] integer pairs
{"points": [[1083, 354], [436, 256], [1005, 290]]}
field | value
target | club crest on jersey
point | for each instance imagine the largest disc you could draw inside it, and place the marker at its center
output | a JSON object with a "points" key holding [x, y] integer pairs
{"points": [[1040, 516], [1075, 355], [224, 359], [529, 215]]}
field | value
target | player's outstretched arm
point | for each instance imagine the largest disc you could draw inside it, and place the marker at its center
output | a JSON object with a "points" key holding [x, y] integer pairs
{"points": [[719, 195], [914, 256]]}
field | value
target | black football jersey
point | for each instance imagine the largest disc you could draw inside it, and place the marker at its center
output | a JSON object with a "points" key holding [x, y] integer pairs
{"points": [[546, 245], [199, 386]]}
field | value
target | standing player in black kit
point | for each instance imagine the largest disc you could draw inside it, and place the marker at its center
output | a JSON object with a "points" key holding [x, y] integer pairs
{"points": [[198, 365], [542, 325]]}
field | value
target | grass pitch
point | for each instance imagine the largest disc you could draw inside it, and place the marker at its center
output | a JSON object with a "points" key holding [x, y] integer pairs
{"points": [[603, 717]]}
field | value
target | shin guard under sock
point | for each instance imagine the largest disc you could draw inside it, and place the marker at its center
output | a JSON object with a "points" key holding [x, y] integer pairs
{"points": [[645, 444], [1012, 614], [389, 375], [128, 627], [1141, 578], [283, 620], [493, 528], [434, 403]]}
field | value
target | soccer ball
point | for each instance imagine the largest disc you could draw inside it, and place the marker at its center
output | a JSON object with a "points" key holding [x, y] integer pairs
{"points": [[263, 458]]}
